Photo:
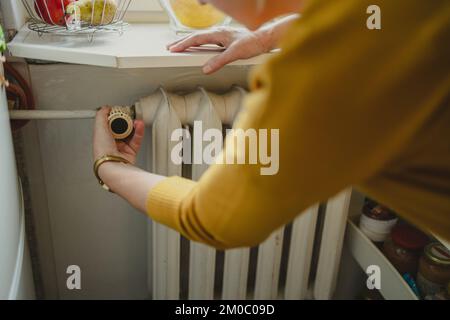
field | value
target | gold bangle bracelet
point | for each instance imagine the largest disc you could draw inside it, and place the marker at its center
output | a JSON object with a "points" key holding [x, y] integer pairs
{"points": [[102, 160]]}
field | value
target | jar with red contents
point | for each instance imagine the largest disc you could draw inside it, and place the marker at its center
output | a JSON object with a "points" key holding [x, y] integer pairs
{"points": [[404, 248]]}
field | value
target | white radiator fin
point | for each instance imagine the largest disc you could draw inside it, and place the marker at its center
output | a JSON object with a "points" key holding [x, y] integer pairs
{"points": [[268, 268], [202, 258], [235, 274], [331, 245], [301, 249], [165, 243]]}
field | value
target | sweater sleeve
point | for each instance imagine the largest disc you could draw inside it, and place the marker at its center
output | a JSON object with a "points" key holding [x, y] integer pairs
{"points": [[341, 98]]}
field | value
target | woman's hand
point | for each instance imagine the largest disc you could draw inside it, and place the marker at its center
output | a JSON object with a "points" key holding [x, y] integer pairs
{"points": [[104, 143], [127, 181], [238, 44]]}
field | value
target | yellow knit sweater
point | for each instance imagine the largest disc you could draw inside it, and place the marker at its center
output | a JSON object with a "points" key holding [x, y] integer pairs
{"points": [[355, 107]]}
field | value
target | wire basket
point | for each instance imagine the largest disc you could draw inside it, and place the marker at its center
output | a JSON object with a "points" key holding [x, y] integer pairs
{"points": [[70, 17]]}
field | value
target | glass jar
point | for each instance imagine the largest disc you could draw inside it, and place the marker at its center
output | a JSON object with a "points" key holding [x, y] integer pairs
{"points": [[404, 247], [377, 222], [189, 15], [434, 269]]}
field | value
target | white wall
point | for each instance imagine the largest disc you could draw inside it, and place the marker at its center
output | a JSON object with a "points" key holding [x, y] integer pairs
{"points": [[13, 14], [76, 221]]}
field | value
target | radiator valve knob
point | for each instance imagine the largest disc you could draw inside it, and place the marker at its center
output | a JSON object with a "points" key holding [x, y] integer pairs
{"points": [[120, 121]]}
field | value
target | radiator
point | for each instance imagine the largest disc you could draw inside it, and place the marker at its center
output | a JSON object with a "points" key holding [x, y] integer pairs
{"points": [[167, 258]]}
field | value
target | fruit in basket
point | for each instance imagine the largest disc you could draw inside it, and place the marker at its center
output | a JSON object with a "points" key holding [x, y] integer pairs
{"points": [[52, 11], [97, 12], [192, 14]]}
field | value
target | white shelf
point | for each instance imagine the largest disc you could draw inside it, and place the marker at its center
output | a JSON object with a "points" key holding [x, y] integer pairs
{"points": [[393, 287], [141, 46]]}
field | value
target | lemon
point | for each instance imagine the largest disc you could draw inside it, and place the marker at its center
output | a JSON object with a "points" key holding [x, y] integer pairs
{"points": [[192, 14]]}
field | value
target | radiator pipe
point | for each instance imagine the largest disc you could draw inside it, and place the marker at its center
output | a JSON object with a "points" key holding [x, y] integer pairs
{"points": [[120, 118], [51, 114]]}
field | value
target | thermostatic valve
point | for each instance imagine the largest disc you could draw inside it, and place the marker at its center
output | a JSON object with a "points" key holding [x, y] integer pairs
{"points": [[120, 121]]}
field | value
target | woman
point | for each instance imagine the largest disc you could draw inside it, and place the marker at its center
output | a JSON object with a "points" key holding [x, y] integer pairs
{"points": [[355, 107]]}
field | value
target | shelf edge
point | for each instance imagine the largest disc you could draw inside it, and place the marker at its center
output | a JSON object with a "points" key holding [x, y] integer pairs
{"points": [[393, 286]]}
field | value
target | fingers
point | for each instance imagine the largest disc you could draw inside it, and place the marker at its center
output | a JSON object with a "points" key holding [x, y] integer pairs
{"points": [[101, 122], [136, 141], [219, 61], [198, 40], [103, 141], [177, 41], [129, 149]]}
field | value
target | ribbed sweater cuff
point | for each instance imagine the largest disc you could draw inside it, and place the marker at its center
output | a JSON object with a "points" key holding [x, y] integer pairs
{"points": [[164, 200]]}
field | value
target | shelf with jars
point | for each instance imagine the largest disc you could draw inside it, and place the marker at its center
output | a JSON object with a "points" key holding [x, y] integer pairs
{"points": [[413, 265]]}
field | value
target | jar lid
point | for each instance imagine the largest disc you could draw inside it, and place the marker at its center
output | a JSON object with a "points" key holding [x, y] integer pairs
{"points": [[380, 213], [437, 253], [409, 237]]}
